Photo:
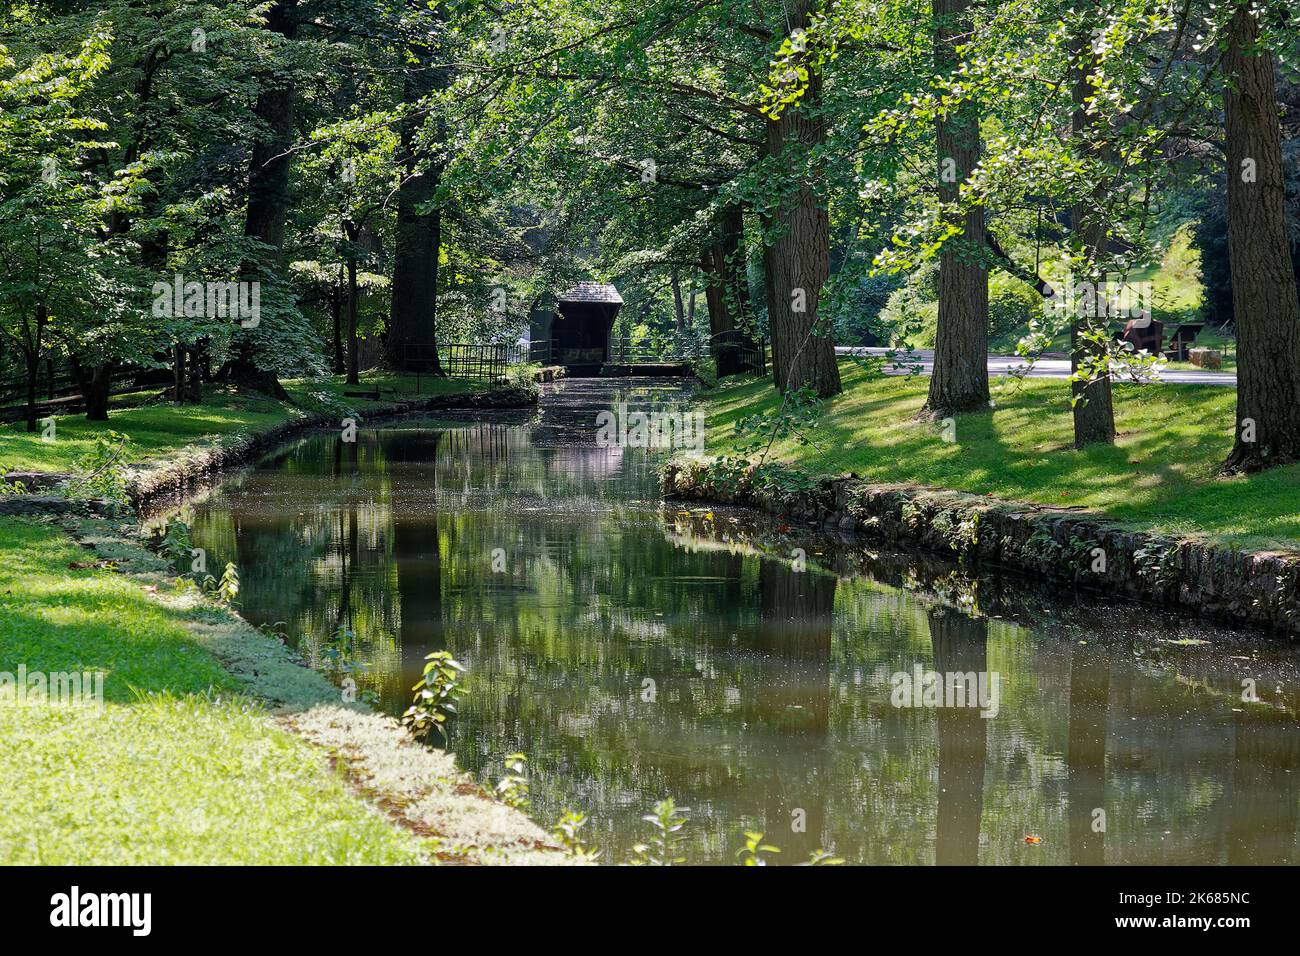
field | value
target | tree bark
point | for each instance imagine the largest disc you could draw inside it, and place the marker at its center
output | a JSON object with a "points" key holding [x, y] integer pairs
{"points": [[679, 302], [351, 233], [960, 380], [178, 374], [797, 262], [1264, 293], [32, 346], [412, 342], [726, 294], [336, 308], [33, 370], [1093, 407], [95, 384], [268, 197]]}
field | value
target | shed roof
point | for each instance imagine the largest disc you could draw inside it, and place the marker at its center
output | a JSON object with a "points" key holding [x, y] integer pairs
{"points": [[594, 292]]}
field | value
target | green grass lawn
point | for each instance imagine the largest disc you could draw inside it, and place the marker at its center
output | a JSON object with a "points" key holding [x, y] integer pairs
{"points": [[179, 767], [155, 429], [1160, 474]]}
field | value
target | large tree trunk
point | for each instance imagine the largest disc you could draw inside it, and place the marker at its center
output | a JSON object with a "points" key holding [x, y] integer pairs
{"points": [[726, 294], [412, 342], [679, 301], [1093, 406], [352, 233], [268, 198], [960, 381], [33, 370], [1264, 293], [798, 261], [32, 357], [336, 308], [178, 374], [96, 385]]}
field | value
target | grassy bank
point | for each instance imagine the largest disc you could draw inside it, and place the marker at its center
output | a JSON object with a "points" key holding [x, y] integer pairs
{"points": [[1160, 474], [155, 428], [213, 744], [180, 766]]}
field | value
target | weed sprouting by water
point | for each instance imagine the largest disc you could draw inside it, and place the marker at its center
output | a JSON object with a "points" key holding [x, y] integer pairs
{"points": [[568, 832], [512, 789], [668, 821], [436, 694]]}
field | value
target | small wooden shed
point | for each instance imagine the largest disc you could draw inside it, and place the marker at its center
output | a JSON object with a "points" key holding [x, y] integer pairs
{"points": [[584, 316]]}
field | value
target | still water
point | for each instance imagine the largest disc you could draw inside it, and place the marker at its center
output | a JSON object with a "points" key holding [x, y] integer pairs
{"points": [[634, 649]]}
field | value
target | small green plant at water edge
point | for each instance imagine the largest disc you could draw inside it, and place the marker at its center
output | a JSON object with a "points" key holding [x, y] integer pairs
{"points": [[752, 853], [1157, 565], [177, 546], [662, 850], [102, 473], [227, 589], [512, 790], [8, 487], [436, 694], [821, 857], [568, 833]]}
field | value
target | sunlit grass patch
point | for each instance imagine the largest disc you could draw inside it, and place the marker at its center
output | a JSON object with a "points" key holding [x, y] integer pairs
{"points": [[179, 766], [1160, 473]]}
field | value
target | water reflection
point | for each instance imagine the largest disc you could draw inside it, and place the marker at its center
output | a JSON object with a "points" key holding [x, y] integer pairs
{"points": [[635, 650]]}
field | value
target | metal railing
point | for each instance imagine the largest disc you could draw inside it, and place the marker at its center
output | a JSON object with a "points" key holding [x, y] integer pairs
{"points": [[736, 351], [482, 363]]}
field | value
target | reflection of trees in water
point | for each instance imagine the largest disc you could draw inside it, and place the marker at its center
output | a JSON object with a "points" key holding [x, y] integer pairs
{"points": [[772, 686], [796, 616], [960, 645], [1086, 753], [1264, 798]]}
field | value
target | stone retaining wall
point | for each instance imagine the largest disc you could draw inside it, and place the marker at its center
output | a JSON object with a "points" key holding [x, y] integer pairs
{"points": [[1257, 588], [199, 465]]}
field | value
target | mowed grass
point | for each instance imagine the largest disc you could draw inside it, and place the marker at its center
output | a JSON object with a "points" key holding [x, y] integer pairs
{"points": [[178, 767], [155, 429], [1160, 474]]}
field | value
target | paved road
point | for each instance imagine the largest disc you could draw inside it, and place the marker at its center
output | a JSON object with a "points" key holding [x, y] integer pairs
{"points": [[1048, 368]]}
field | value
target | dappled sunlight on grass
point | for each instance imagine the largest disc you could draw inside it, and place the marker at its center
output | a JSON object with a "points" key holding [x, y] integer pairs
{"points": [[155, 429], [1161, 472], [179, 767]]}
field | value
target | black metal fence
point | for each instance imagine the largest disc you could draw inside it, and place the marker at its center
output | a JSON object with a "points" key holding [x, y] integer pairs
{"points": [[482, 363], [736, 352]]}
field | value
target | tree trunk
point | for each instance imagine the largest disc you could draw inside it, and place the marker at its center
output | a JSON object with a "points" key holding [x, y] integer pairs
{"points": [[336, 307], [679, 303], [351, 233], [797, 262], [95, 384], [1264, 293], [1093, 407], [33, 370], [960, 381], [32, 356], [178, 374], [268, 198], [412, 342], [726, 294]]}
